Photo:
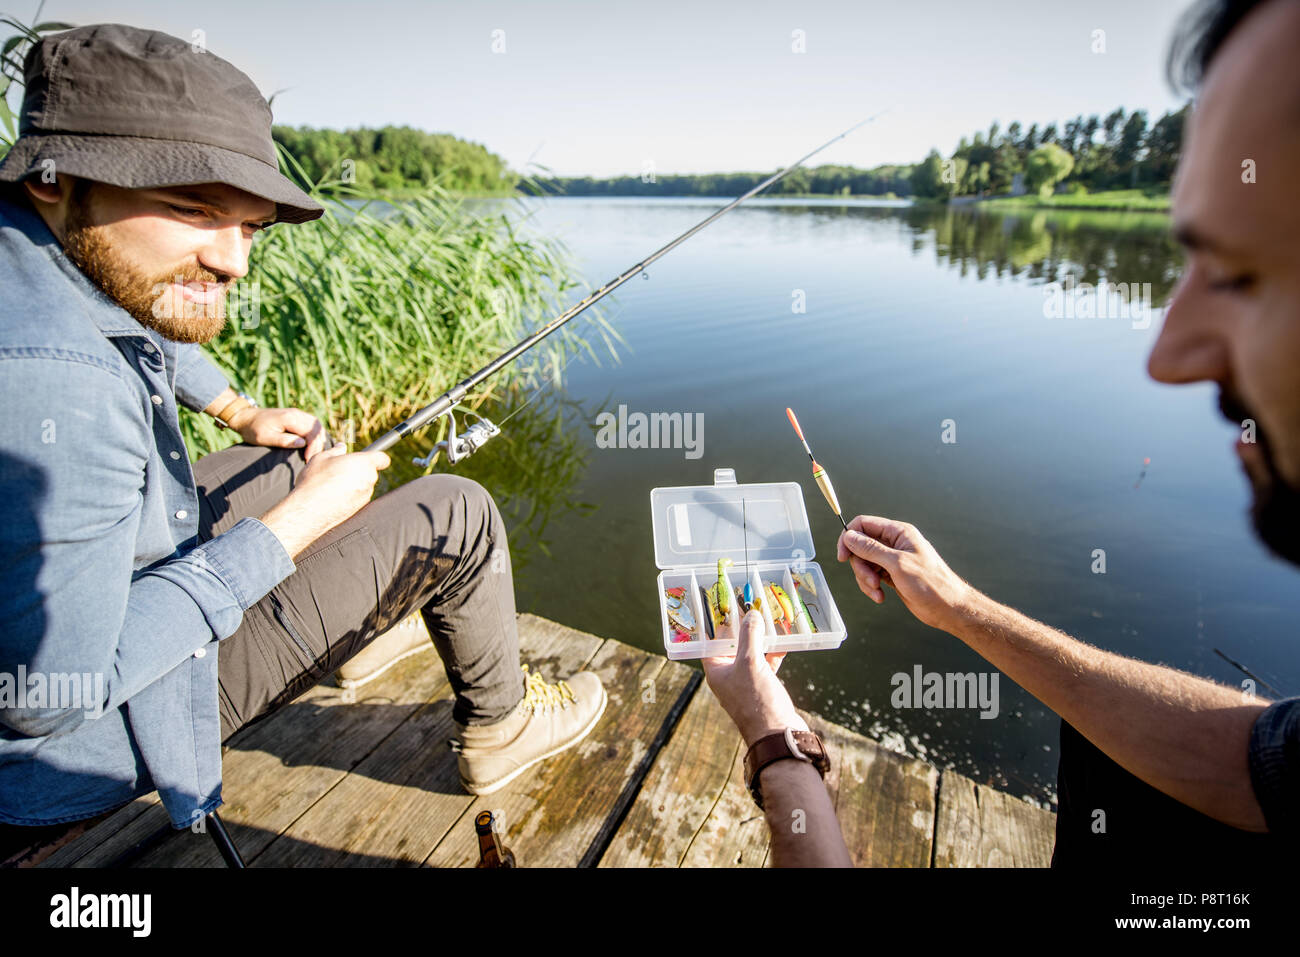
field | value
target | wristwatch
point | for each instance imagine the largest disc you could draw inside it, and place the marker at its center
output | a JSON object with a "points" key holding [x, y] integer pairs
{"points": [[248, 400], [799, 745]]}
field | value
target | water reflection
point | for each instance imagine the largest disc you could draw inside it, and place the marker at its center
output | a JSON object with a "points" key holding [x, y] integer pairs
{"points": [[1038, 245]]}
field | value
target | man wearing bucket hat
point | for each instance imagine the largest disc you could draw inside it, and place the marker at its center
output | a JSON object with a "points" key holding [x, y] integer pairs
{"points": [[183, 604]]}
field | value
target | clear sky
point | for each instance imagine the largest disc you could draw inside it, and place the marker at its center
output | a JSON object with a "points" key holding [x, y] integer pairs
{"points": [[602, 87]]}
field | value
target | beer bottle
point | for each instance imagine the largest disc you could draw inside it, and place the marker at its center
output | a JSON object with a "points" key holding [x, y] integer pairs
{"points": [[491, 851]]}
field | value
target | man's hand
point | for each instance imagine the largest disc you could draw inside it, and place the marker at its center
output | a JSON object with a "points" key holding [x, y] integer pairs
{"points": [[747, 686], [333, 487], [884, 552], [750, 691], [280, 429]]}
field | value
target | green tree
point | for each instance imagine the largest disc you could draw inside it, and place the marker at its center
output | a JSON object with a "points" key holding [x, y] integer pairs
{"points": [[927, 175], [1030, 142], [1131, 139], [1047, 166], [1163, 144]]}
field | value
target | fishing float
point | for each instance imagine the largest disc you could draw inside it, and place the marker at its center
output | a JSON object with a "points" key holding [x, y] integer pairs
{"points": [[819, 474]]}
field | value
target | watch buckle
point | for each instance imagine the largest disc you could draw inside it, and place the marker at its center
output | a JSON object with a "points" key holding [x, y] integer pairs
{"points": [[794, 747]]}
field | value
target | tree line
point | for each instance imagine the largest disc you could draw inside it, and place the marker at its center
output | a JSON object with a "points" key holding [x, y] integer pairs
{"points": [[1086, 154], [396, 158], [835, 180]]}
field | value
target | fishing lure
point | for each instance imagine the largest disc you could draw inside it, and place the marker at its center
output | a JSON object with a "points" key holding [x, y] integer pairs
{"points": [[748, 600], [720, 596], [802, 581], [708, 619], [782, 611], [680, 616]]}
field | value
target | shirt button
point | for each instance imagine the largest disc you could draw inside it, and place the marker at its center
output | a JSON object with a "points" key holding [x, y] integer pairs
{"points": [[181, 513], [149, 347], [156, 399], [200, 653], [174, 454]]}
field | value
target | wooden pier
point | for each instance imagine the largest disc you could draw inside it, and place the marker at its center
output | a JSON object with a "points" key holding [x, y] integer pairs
{"points": [[366, 779]]}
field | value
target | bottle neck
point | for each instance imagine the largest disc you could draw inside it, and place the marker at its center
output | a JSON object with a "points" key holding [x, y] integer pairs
{"points": [[489, 849]]}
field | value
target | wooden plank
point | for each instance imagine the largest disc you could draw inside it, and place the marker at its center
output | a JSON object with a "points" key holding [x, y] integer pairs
{"points": [[681, 789], [278, 768], [275, 770], [563, 812], [399, 802], [734, 833], [978, 826], [957, 822], [99, 845], [885, 801]]}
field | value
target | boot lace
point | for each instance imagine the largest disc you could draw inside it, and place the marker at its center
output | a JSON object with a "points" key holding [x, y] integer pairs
{"points": [[539, 694]]}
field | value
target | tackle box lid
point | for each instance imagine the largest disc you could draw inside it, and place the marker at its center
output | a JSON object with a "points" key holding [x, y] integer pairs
{"points": [[698, 524]]}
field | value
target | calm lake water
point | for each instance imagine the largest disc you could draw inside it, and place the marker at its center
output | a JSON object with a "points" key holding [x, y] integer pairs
{"points": [[912, 317]]}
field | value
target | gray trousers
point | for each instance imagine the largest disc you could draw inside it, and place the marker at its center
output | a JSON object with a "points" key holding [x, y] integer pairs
{"points": [[436, 544]]}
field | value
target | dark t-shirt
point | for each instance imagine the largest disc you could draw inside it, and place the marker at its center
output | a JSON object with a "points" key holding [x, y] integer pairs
{"points": [[1275, 766]]}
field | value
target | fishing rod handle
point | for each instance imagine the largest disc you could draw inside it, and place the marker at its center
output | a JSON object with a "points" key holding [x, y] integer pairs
{"points": [[384, 442], [417, 420]]}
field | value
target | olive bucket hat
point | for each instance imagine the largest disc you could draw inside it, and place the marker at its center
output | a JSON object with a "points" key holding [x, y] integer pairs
{"points": [[143, 110]]}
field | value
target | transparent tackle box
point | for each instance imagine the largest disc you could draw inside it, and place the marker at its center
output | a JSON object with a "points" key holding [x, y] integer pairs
{"points": [[696, 525]]}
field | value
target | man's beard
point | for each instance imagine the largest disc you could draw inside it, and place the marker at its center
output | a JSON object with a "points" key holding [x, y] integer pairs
{"points": [[1275, 510], [150, 299]]}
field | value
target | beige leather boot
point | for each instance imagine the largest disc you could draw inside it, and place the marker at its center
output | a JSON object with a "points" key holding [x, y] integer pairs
{"points": [[549, 719]]}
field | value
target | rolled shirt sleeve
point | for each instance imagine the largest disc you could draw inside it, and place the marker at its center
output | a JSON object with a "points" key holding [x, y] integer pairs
{"points": [[75, 600], [198, 380], [1275, 766]]}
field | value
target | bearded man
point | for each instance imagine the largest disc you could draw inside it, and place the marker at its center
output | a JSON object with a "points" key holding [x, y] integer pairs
{"points": [[195, 601]]}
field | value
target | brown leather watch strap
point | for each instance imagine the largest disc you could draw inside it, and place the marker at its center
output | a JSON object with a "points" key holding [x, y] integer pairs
{"points": [[796, 745]]}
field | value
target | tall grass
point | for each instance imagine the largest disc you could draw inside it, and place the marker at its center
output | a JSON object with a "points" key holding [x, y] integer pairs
{"points": [[373, 310]]}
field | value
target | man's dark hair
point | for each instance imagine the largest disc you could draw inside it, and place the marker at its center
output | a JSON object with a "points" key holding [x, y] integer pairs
{"points": [[1201, 34]]}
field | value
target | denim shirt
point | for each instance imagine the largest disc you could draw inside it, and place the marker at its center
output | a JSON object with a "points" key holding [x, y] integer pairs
{"points": [[110, 610]]}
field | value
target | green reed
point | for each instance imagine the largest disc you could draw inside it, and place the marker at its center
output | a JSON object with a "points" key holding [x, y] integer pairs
{"points": [[373, 310]]}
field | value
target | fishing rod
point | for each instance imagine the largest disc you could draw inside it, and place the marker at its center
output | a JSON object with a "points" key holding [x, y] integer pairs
{"points": [[472, 439], [1248, 673]]}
